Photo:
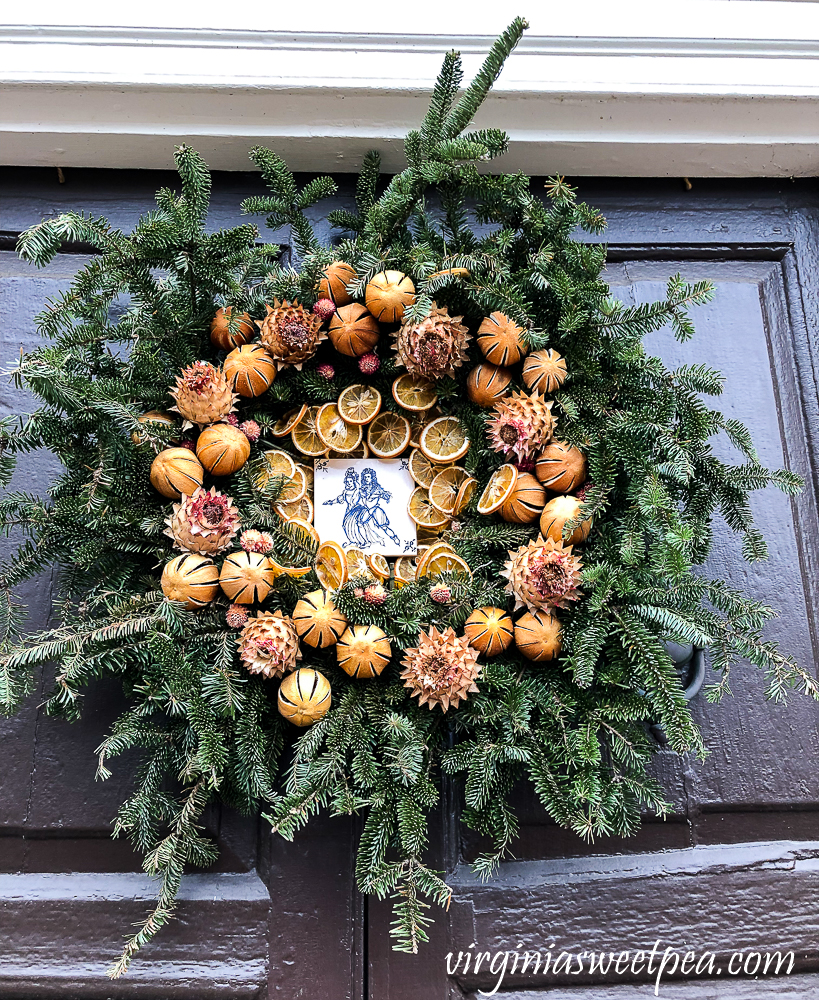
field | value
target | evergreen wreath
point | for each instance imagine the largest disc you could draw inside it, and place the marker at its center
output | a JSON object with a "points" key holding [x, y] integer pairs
{"points": [[431, 676]]}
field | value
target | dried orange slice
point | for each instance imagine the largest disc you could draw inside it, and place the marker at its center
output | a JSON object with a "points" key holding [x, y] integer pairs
{"points": [[418, 421], [414, 393], [359, 404], [307, 528], [302, 509], [331, 565], [277, 463], [309, 476], [465, 494], [444, 562], [444, 488], [498, 490], [421, 469], [379, 565], [388, 435], [436, 548], [444, 440], [284, 425], [405, 570], [420, 509], [334, 430], [294, 488], [357, 564], [360, 451], [306, 437]]}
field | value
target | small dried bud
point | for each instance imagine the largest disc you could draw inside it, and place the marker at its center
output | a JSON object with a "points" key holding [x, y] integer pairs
{"points": [[440, 593], [256, 541], [368, 364], [251, 430], [525, 465], [187, 443], [358, 592], [232, 419], [375, 594], [324, 308], [327, 371], [236, 616]]}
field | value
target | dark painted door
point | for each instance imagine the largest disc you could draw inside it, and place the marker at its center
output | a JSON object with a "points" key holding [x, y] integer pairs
{"points": [[735, 868]]}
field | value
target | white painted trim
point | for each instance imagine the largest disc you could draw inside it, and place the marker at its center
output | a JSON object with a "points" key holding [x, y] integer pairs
{"points": [[75, 95]]}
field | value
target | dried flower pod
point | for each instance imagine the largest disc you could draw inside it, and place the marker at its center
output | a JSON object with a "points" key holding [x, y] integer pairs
{"points": [[543, 575], [441, 670], [561, 467], [363, 651], [318, 621], [433, 347], [290, 333], [304, 697], [247, 577], [388, 294], [333, 284], [353, 330], [222, 449], [203, 395], [501, 340], [192, 579], [175, 471], [220, 335], [250, 370], [324, 308], [205, 522], [236, 616], [489, 630], [538, 636], [256, 541], [544, 371], [268, 644], [487, 384]]}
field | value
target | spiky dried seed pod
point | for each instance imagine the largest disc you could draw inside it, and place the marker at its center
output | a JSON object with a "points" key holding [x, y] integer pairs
{"points": [[268, 644], [290, 334], [205, 522], [521, 425], [203, 395], [435, 347], [544, 371], [441, 669], [543, 575]]}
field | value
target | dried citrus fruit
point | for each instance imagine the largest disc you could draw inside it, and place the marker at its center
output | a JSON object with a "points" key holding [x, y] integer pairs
{"points": [[444, 562], [334, 430], [498, 489], [405, 569], [444, 488], [331, 565], [302, 509], [308, 529], [286, 423], [436, 548], [422, 512], [306, 437], [379, 565], [358, 404], [418, 421], [444, 440], [309, 476], [421, 469], [414, 393], [294, 488], [388, 435], [465, 494], [360, 451], [276, 463], [357, 564]]}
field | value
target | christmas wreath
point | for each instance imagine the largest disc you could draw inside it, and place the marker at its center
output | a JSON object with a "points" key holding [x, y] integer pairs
{"points": [[563, 486]]}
